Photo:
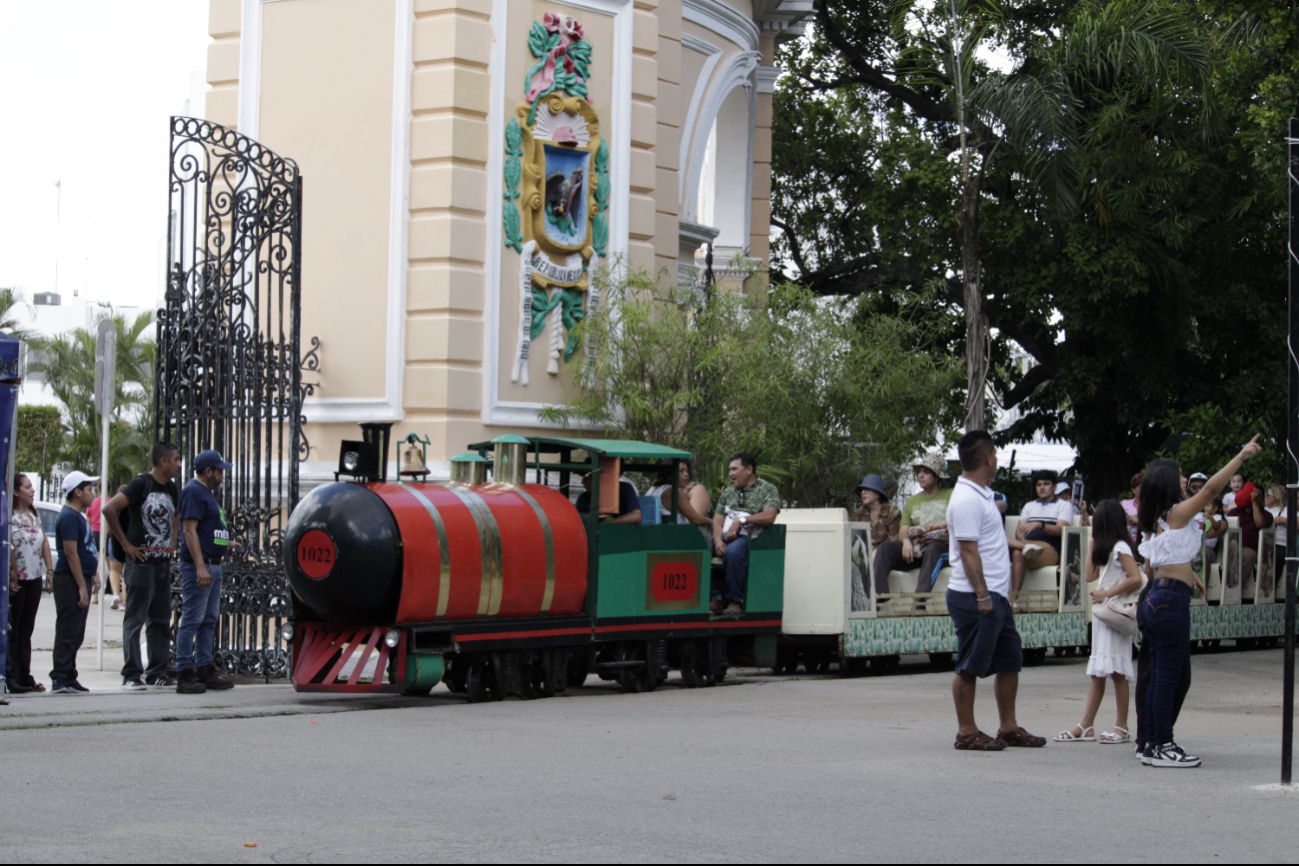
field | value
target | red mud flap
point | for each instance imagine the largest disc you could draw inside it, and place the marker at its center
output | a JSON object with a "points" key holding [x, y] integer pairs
{"points": [[331, 658]]}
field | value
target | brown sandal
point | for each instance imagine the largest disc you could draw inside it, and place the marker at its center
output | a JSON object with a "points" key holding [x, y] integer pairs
{"points": [[1022, 738], [978, 742]]}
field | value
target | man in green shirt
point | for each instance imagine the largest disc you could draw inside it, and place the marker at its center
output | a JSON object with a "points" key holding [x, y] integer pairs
{"points": [[742, 510], [923, 536]]}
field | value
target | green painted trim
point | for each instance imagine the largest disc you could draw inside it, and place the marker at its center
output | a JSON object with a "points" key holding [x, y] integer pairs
{"points": [[924, 634], [469, 457], [510, 439]]}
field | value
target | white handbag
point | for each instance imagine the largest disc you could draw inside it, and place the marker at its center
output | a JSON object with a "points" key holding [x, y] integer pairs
{"points": [[1120, 611]]}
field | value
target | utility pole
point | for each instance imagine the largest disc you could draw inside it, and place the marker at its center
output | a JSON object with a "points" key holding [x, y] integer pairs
{"points": [[58, 217]]}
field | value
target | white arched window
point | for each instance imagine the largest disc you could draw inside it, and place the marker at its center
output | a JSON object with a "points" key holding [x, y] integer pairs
{"points": [[718, 182]]}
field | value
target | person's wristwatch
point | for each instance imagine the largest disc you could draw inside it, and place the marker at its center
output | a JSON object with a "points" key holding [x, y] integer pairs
{"points": [[744, 519]]}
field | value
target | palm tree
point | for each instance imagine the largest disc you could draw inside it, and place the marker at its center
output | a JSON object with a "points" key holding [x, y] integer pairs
{"points": [[68, 364], [1031, 115], [10, 298]]}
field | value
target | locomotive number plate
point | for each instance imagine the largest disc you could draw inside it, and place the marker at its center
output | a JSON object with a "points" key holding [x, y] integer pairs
{"points": [[317, 554], [672, 581]]}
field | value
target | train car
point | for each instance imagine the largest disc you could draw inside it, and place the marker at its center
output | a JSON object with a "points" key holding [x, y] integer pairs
{"points": [[501, 587], [834, 615]]}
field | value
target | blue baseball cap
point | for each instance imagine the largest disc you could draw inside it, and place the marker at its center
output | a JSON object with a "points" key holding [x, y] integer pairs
{"points": [[210, 460]]}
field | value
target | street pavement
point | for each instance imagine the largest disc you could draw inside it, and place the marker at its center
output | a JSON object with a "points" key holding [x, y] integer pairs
{"points": [[761, 768]]}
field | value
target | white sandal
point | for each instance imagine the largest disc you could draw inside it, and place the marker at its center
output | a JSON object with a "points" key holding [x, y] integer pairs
{"points": [[1112, 738], [1068, 736]]}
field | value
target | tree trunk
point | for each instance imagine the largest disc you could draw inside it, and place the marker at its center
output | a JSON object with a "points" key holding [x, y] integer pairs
{"points": [[975, 331]]}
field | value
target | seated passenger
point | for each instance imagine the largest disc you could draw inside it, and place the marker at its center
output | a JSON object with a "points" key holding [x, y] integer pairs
{"points": [[875, 510], [693, 502], [923, 530], [1041, 527], [628, 502], [742, 511], [1251, 516]]}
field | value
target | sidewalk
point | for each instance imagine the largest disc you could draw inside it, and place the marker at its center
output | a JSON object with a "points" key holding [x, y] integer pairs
{"points": [[43, 646]]}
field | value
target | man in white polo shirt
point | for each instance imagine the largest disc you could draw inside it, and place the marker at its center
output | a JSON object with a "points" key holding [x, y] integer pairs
{"points": [[986, 640]]}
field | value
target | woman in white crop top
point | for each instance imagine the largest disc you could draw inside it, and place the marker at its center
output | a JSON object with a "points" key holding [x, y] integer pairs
{"points": [[1167, 517]]}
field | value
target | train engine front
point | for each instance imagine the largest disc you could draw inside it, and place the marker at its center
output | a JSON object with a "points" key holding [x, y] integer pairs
{"points": [[391, 578]]}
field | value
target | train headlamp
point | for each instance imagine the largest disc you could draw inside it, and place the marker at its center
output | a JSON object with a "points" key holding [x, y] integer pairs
{"points": [[392, 638], [286, 632], [351, 459]]}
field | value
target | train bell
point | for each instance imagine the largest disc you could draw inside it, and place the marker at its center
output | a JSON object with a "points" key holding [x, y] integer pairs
{"points": [[412, 462]]}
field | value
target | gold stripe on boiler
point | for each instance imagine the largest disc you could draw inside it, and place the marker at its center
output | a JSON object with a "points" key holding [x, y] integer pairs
{"points": [[444, 550], [549, 536], [489, 539]]}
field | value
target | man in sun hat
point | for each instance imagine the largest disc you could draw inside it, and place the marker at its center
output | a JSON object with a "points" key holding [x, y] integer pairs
{"points": [[922, 540], [206, 541]]}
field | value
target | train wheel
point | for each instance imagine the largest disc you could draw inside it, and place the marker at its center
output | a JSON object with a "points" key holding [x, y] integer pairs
{"points": [[854, 667], [718, 660], [689, 664], [455, 678], [476, 685], [942, 661], [539, 673], [578, 669]]}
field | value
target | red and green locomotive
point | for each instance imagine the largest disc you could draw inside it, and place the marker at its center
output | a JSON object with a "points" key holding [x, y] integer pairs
{"points": [[502, 587]]}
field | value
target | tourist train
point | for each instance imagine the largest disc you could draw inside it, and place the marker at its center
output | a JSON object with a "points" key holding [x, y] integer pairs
{"points": [[501, 587]]}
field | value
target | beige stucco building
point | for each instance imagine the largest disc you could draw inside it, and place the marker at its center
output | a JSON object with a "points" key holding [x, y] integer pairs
{"points": [[401, 115]]}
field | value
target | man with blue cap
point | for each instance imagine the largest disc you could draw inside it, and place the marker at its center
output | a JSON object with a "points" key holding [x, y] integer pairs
{"points": [[206, 540]]}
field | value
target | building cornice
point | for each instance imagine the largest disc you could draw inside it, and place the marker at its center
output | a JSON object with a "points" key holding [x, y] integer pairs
{"points": [[724, 21]]}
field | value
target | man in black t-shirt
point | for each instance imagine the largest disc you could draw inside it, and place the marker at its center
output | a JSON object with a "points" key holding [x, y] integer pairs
{"points": [[148, 543]]}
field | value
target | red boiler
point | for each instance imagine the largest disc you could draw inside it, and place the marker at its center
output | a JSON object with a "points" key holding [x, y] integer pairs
{"points": [[461, 552]]}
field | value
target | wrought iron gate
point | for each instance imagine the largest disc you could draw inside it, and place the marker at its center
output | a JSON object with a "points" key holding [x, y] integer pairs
{"points": [[229, 370]]}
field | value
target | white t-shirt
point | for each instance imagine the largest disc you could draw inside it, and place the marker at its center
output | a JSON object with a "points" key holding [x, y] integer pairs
{"points": [[972, 515], [1050, 512], [1279, 522]]}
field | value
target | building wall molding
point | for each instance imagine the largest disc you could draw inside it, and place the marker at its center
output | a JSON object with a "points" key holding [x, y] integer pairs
{"points": [[324, 410], [713, 56]]}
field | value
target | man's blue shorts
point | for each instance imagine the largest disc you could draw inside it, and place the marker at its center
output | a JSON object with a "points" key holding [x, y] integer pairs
{"points": [[986, 643]]}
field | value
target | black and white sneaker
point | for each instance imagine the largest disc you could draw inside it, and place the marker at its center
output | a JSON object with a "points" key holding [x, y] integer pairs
{"points": [[1141, 752], [1170, 755], [134, 684]]}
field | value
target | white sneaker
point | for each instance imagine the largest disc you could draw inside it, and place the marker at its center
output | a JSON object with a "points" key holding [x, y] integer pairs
{"points": [[1171, 755], [1032, 551]]}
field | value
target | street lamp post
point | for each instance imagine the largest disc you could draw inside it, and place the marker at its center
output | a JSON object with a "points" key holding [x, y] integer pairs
{"points": [[1292, 463]]}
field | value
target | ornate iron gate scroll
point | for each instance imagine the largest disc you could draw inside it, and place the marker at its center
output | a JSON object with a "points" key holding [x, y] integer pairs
{"points": [[229, 369]]}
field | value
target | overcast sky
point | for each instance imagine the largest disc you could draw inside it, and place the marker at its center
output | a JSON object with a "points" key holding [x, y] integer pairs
{"points": [[86, 87]]}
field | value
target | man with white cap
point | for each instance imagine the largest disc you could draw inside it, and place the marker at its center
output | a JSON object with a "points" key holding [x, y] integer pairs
{"points": [[76, 576], [206, 540]]}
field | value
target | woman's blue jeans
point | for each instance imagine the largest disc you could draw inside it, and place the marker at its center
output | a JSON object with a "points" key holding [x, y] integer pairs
{"points": [[199, 608], [1166, 622]]}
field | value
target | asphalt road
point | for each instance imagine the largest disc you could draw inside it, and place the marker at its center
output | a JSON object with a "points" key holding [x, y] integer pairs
{"points": [[761, 769]]}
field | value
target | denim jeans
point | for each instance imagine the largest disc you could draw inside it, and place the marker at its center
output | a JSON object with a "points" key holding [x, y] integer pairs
{"points": [[735, 568], [148, 608], [1166, 621], [199, 606], [69, 626]]}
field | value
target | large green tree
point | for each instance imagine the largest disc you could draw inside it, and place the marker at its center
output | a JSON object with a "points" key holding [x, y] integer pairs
{"points": [[820, 390], [1161, 291]]}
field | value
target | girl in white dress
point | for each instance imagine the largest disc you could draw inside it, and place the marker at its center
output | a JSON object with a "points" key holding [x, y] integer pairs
{"points": [[1111, 566]]}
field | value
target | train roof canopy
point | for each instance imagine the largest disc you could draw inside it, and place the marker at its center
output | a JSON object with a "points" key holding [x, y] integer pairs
{"points": [[628, 449]]}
